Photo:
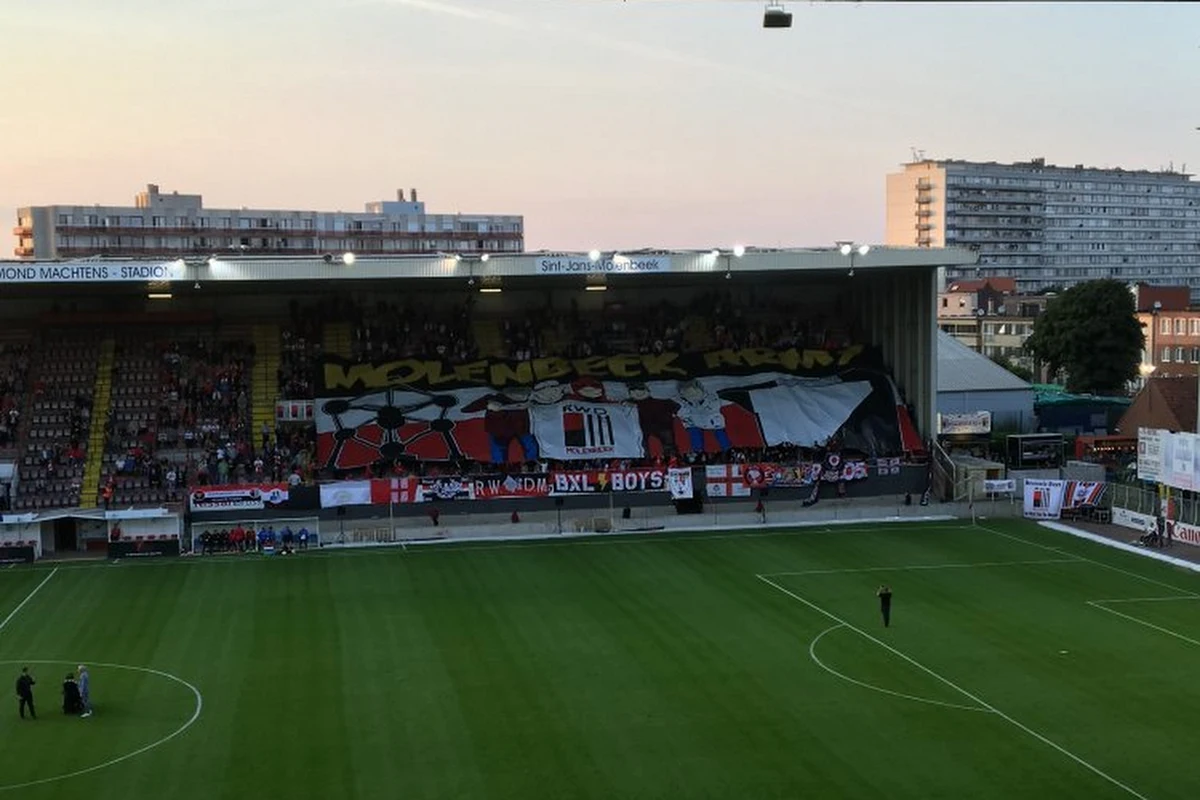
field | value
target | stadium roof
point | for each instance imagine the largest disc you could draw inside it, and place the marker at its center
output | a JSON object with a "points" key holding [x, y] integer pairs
{"points": [[961, 369], [493, 267]]}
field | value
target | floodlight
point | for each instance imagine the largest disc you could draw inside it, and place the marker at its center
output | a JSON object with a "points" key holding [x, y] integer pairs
{"points": [[776, 17]]}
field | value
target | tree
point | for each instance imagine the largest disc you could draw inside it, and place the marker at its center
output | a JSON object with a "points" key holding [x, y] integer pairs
{"points": [[1016, 369], [1090, 331]]}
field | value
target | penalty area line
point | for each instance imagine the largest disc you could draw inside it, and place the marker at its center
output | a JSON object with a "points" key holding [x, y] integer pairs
{"points": [[970, 695], [1101, 604], [906, 568]]}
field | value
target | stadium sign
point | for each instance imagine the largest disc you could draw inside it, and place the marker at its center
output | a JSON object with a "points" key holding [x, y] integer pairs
{"points": [[93, 272], [614, 265], [976, 422]]}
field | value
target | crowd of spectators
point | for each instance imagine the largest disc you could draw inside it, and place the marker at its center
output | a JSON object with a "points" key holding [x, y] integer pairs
{"points": [[388, 330], [199, 406], [198, 430], [58, 419], [300, 351], [14, 373]]}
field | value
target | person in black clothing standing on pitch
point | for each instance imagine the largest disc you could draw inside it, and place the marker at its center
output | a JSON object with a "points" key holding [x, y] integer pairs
{"points": [[25, 693], [885, 604]]}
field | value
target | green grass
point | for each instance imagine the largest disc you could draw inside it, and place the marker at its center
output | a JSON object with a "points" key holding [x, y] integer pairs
{"points": [[619, 668]]}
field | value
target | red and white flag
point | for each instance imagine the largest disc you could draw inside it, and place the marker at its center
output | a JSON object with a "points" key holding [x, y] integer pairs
{"points": [[396, 490], [726, 480]]}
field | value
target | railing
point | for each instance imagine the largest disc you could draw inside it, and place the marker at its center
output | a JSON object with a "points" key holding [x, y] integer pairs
{"points": [[1142, 500], [951, 485]]}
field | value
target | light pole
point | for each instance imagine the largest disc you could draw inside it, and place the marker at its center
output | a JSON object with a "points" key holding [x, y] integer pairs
{"points": [[737, 252], [980, 313], [1154, 331], [851, 250]]}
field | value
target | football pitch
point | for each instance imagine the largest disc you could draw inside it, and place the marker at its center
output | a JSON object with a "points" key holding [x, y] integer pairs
{"points": [[1020, 663]]}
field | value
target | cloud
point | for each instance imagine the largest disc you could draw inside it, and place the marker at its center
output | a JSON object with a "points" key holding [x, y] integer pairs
{"points": [[496, 18], [656, 52]]}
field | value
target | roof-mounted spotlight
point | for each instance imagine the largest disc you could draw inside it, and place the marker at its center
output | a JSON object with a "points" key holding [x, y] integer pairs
{"points": [[458, 256], [327, 258], [485, 257], [348, 259], [776, 17], [739, 250], [594, 255]]}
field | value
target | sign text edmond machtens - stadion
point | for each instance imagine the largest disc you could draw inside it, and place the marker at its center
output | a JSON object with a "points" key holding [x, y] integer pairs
{"points": [[92, 272]]}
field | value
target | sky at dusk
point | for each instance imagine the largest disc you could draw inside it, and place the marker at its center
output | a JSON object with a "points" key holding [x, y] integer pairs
{"points": [[607, 124]]}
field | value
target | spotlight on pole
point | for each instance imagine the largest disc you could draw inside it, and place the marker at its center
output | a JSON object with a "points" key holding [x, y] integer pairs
{"points": [[776, 17]]}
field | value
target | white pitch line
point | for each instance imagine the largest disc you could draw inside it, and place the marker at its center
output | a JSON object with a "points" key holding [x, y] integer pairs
{"points": [[1147, 599], [28, 597], [1060, 551], [974, 698], [133, 754], [470, 545], [812, 653], [927, 566], [1099, 604]]}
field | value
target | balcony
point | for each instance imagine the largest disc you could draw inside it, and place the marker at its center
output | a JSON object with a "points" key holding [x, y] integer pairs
{"points": [[924, 198], [23, 252], [924, 185], [22, 230], [237, 233], [925, 212]]}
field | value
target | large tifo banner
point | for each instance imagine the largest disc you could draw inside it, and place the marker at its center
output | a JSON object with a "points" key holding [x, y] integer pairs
{"points": [[601, 408]]}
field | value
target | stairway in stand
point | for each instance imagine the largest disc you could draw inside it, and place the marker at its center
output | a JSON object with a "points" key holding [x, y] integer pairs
{"points": [[335, 339], [101, 402], [264, 386]]}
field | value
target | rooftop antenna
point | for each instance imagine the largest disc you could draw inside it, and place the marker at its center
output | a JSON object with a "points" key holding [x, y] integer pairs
{"points": [[917, 155]]}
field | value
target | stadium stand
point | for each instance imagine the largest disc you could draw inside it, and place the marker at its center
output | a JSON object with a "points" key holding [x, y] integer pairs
{"points": [[195, 404], [54, 444], [14, 374], [180, 409]]}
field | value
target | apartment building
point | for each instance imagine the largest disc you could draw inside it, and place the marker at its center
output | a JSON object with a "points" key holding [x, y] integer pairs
{"points": [[1047, 225], [990, 317], [171, 224]]}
